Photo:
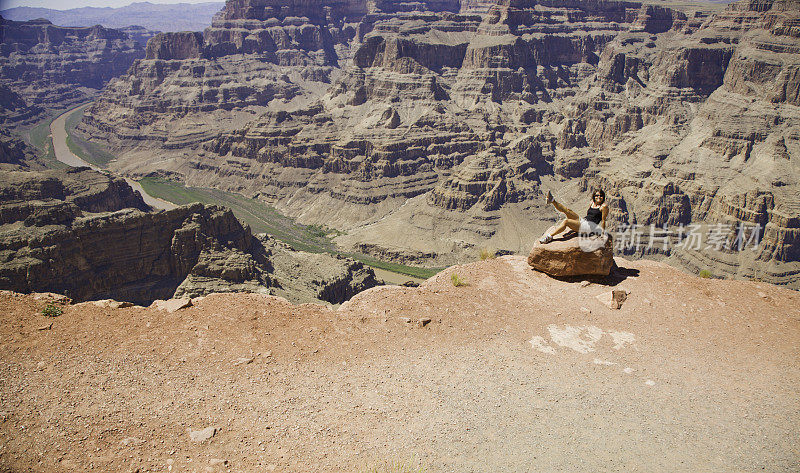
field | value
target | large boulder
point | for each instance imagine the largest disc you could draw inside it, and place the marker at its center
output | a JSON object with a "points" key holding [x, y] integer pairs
{"points": [[574, 255]]}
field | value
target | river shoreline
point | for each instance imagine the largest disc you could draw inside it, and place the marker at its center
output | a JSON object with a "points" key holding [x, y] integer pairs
{"points": [[58, 130]]}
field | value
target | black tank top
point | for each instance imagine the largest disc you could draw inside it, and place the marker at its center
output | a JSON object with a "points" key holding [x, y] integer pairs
{"points": [[594, 215]]}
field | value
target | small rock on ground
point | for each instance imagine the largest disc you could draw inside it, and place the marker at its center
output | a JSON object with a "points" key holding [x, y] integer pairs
{"points": [[112, 304], [613, 299], [243, 361], [52, 298], [202, 435], [172, 305]]}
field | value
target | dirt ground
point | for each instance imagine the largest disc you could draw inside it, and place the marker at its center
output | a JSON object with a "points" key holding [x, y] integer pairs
{"points": [[515, 372]]}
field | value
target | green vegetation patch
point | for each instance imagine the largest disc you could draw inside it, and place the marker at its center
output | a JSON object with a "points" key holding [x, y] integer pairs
{"points": [[39, 137], [261, 217], [486, 253], [415, 271], [86, 150], [457, 280], [52, 310], [49, 157]]}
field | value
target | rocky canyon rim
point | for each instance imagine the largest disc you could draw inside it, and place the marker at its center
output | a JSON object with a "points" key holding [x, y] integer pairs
{"points": [[690, 374]]}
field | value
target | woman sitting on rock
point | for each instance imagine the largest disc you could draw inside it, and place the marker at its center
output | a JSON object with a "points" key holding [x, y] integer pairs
{"points": [[594, 223]]}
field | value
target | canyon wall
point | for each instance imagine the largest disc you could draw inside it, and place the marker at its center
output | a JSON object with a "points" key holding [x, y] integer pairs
{"points": [[427, 130], [90, 236], [45, 67]]}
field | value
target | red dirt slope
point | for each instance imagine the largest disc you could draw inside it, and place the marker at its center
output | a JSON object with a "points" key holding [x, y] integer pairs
{"points": [[515, 372]]}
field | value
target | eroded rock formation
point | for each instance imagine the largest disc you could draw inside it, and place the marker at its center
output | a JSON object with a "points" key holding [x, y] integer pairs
{"points": [[88, 235], [44, 66], [16, 155], [428, 129]]}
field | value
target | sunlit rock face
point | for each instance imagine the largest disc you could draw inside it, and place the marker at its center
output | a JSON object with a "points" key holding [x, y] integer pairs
{"points": [[427, 130]]}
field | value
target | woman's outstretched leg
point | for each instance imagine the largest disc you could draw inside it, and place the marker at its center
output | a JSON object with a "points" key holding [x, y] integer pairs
{"points": [[561, 208], [567, 222], [566, 211]]}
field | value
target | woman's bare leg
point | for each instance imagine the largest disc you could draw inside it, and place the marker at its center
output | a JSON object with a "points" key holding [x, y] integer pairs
{"points": [[567, 222], [569, 213]]}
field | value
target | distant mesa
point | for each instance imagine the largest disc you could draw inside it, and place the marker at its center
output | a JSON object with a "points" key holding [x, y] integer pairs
{"points": [[151, 16], [39, 21]]}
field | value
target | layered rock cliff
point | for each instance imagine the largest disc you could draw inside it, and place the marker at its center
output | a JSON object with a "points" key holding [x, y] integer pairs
{"points": [[429, 129], [702, 129], [44, 66], [16, 155], [89, 236]]}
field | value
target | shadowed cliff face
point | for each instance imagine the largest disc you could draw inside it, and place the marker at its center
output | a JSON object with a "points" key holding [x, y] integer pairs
{"points": [[182, 45], [15, 154], [125, 255], [431, 128], [93, 243], [49, 67], [90, 236]]}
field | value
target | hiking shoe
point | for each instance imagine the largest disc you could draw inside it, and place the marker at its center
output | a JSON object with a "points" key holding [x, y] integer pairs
{"points": [[545, 239], [550, 198]]}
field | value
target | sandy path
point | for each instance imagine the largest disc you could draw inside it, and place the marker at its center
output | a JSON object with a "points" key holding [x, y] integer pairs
{"points": [[63, 154]]}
